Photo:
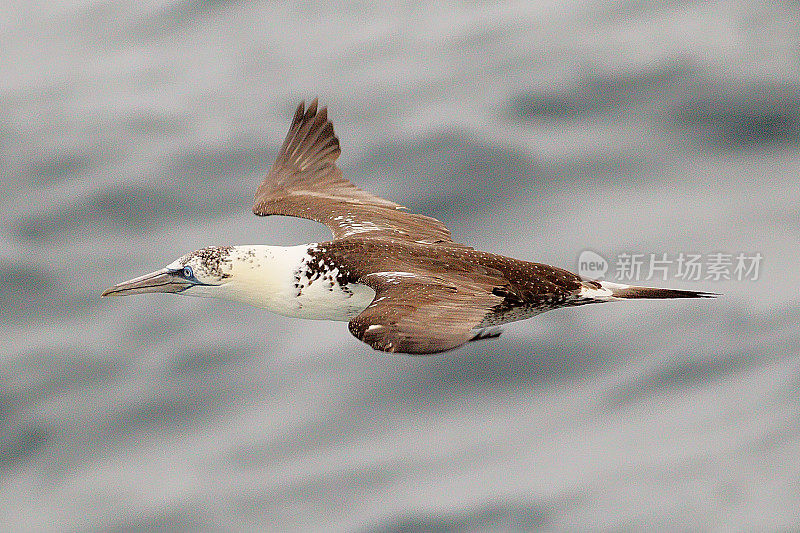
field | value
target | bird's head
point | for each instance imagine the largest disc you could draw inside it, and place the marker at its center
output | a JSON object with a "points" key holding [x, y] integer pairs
{"points": [[199, 273]]}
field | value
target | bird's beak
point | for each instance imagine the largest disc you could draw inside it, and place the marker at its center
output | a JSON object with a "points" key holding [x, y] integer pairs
{"points": [[162, 280]]}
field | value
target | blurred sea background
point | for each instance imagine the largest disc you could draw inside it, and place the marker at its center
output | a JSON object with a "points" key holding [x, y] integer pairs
{"points": [[134, 132]]}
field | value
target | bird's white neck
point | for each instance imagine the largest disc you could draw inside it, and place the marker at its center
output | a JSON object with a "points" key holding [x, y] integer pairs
{"points": [[274, 278]]}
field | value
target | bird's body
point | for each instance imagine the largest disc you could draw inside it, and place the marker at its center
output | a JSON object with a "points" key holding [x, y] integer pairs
{"points": [[320, 281], [397, 278]]}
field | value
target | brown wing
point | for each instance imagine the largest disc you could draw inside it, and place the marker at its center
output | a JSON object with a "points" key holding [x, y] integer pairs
{"points": [[421, 314], [305, 182]]}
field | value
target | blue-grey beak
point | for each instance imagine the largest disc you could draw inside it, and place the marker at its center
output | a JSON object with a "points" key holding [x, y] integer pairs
{"points": [[163, 280]]}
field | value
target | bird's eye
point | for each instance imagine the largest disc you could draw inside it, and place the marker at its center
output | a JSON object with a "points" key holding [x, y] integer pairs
{"points": [[187, 272]]}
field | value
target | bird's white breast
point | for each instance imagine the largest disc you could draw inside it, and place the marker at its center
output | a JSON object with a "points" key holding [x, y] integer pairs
{"points": [[288, 281]]}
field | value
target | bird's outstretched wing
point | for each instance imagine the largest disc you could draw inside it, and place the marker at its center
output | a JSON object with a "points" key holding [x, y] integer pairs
{"points": [[305, 182], [423, 314]]}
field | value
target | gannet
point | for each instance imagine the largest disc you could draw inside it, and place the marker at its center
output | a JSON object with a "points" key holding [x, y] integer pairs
{"points": [[397, 278]]}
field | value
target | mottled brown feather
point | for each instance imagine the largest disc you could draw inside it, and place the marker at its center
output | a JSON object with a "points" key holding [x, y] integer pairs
{"points": [[423, 314], [305, 182], [431, 298]]}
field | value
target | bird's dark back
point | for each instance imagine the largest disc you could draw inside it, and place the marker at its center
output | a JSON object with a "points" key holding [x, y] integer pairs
{"points": [[524, 281]]}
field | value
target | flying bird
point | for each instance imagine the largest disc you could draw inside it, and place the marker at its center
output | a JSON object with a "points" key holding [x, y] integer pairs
{"points": [[396, 277]]}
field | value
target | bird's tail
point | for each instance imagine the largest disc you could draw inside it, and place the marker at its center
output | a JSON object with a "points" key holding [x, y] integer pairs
{"points": [[606, 291]]}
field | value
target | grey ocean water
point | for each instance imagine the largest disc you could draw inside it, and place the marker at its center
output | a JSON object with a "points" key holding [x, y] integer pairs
{"points": [[133, 132]]}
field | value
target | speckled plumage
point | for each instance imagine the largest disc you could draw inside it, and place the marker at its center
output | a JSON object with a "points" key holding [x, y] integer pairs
{"points": [[524, 288], [212, 260]]}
